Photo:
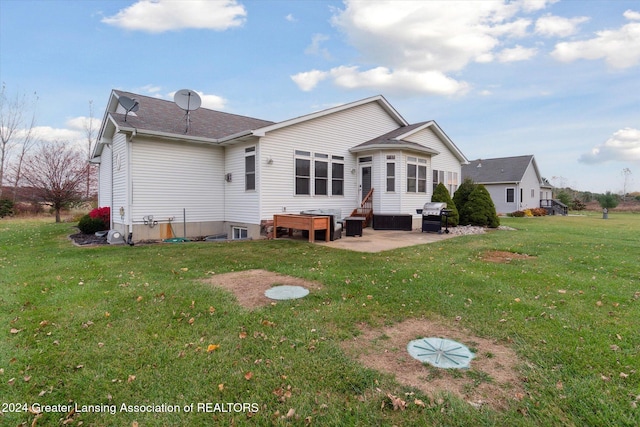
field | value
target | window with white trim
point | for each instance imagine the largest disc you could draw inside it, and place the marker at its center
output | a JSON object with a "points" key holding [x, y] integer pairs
{"points": [[391, 173], [321, 174], [250, 168], [511, 195], [337, 175], [239, 233], [325, 171], [303, 172], [416, 175]]}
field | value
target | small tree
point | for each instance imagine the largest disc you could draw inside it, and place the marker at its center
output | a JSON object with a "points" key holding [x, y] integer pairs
{"points": [[608, 200], [460, 198], [479, 209], [57, 174], [441, 194]]}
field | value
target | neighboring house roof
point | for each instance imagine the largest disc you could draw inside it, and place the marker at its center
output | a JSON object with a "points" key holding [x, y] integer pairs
{"points": [[500, 170], [396, 139]]}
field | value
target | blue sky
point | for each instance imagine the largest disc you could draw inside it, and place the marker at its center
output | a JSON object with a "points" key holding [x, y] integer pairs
{"points": [[556, 79]]}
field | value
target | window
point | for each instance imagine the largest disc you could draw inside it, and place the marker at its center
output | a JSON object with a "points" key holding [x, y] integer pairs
{"points": [[511, 195], [337, 175], [239, 233], [391, 174], [321, 172], [416, 175], [250, 168], [533, 193], [303, 173]]}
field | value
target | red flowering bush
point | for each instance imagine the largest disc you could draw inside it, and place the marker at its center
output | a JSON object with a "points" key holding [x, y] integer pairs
{"points": [[103, 214]]}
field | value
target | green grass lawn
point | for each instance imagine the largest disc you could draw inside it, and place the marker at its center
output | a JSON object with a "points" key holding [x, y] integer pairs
{"points": [[118, 325]]}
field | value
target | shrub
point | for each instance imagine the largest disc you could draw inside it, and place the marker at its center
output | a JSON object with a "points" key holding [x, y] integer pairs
{"points": [[538, 211], [479, 209], [89, 225], [6, 208], [578, 205], [103, 213], [461, 197], [528, 213], [517, 214], [608, 200], [441, 194]]}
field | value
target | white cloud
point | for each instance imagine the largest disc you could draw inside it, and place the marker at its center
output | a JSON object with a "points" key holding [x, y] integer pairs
{"points": [[315, 48], [623, 146], [398, 81], [631, 15], [212, 102], [423, 42], [308, 80], [290, 18], [156, 16], [619, 48], [517, 53], [557, 26]]}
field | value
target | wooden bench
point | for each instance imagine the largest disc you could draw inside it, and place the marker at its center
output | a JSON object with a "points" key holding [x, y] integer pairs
{"points": [[302, 222]]}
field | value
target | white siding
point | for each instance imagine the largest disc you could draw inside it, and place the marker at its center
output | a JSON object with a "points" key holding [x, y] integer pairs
{"points": [[333, 135], [412, 201], [105, 178], [387, 201], [530, 182], [120, 188], [241, 206], [498, 193], [169, 177]]}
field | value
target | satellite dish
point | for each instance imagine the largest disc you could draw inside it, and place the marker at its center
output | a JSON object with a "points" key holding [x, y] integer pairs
{"points": [[129, 105], [188, 100]]}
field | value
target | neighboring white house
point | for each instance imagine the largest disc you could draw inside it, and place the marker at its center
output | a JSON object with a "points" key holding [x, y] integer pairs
{"points": [[228, 174], [514, 183]]}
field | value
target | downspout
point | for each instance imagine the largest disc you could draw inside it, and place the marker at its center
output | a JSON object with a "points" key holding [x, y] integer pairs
{"points": [[129, 221]]}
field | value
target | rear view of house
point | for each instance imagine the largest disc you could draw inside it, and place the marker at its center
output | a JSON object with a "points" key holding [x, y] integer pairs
{"points": [[165, 174]]}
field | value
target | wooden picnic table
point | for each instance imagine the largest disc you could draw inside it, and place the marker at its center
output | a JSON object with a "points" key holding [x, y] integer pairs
{"points": [[302, 222]]}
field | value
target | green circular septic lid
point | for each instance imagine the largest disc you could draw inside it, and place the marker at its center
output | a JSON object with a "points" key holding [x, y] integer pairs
{"points": [[285, 292], [440, 352]]}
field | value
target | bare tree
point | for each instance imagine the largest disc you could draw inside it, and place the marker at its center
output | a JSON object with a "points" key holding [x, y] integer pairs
{"points": [[90, 134], [57, 173], [12, 113], [626, 173], [26, 142]]}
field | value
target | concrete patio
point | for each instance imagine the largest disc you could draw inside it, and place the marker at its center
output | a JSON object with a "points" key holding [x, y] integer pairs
{"points": [[384, 240]]}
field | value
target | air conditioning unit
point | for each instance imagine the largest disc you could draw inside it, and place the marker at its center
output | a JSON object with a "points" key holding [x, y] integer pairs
{"points": [[114, 237]]}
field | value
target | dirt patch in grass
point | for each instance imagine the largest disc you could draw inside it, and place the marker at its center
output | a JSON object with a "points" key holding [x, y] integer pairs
{"points": [[491, 380], [249, 286], [503, 257]]}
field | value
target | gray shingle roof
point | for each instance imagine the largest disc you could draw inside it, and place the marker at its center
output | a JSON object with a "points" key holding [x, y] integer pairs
{"points": [[389, 140], [164, 116], [504, 169]]}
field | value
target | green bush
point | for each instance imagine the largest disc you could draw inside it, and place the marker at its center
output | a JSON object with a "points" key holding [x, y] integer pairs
{"points": [[89, 225], [441, 194], [461, 197], [479, 209], [6, 208], [608, 200]]}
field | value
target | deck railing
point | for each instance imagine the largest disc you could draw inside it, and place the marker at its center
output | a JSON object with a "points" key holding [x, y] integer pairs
{"points": [[366, 209]]}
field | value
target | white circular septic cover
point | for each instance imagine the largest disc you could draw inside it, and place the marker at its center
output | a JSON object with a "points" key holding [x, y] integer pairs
{"points": [[440, 352], [286, 292]]}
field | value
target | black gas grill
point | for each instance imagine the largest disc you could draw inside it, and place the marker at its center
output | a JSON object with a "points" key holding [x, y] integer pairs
{"points": [[433, 214]]}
